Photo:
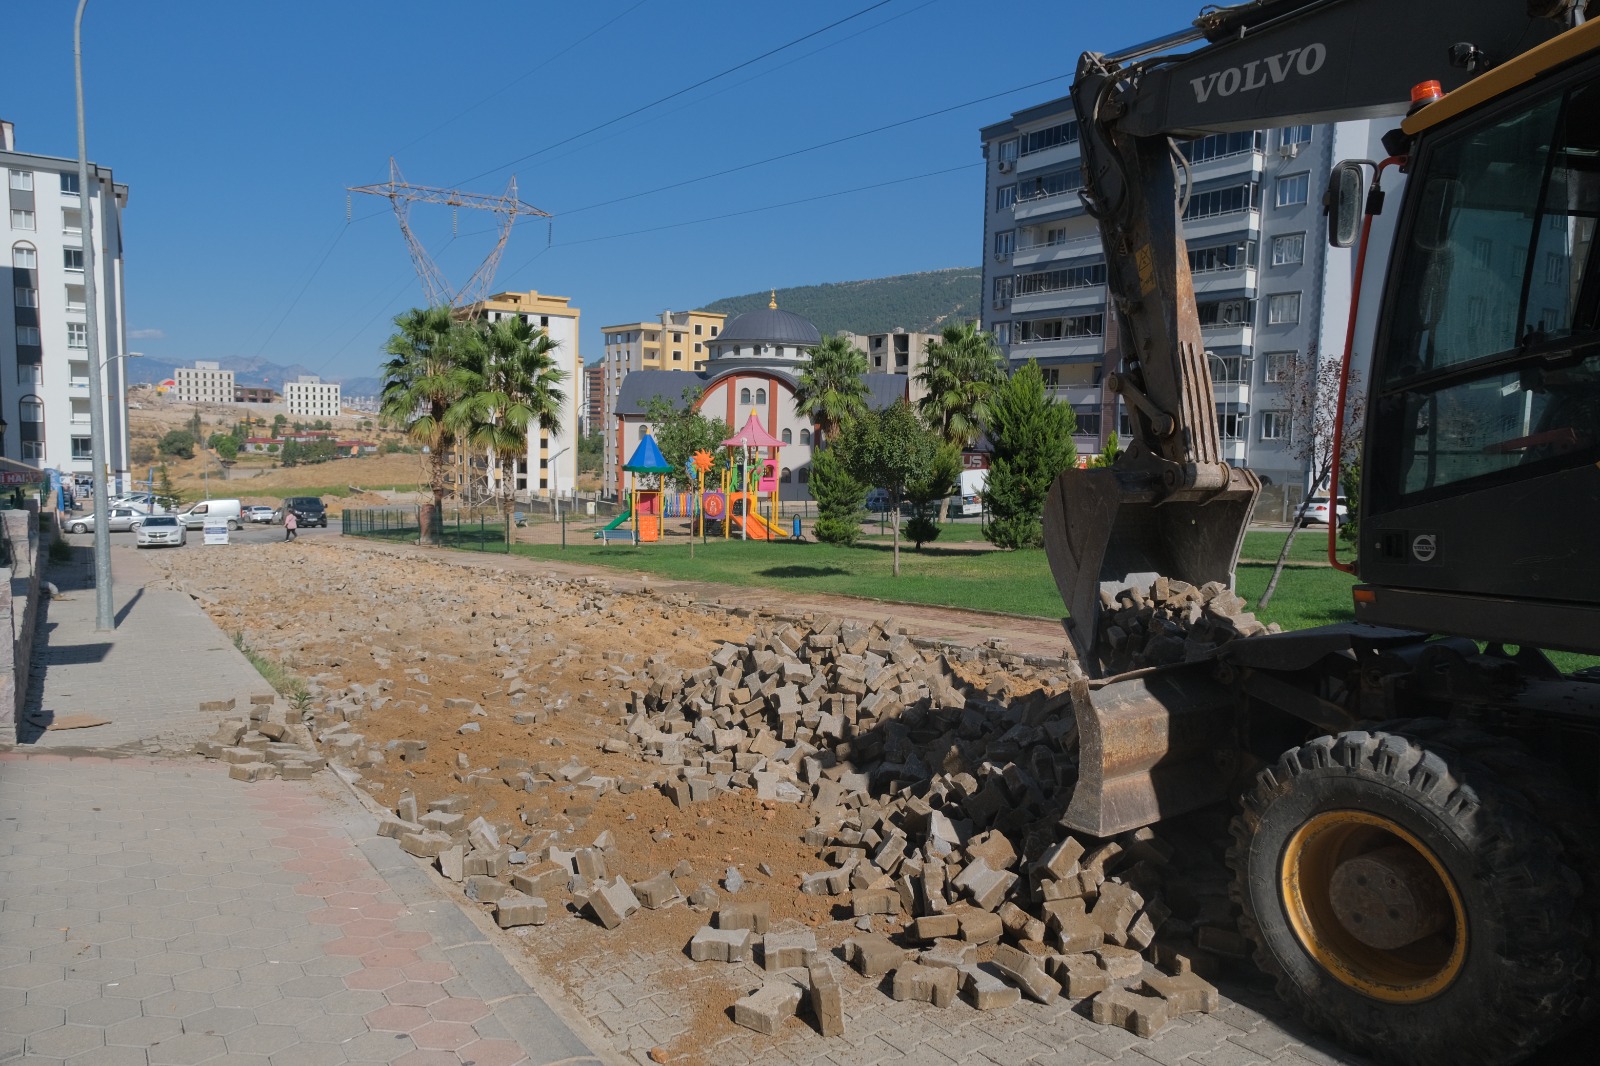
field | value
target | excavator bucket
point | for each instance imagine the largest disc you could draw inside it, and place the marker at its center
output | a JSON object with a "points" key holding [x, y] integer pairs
{"points": [[1107, 529]]}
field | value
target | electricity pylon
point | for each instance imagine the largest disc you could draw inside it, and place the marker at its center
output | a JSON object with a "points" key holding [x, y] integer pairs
{"points": [[401, 195]]}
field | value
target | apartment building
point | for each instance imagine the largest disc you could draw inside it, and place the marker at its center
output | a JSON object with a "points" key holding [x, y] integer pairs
{"points": [[205, 382], [551, 465], [678, 340], [1267, 285], [896, 352], [308, 396], [594, 397], [45, 361]]}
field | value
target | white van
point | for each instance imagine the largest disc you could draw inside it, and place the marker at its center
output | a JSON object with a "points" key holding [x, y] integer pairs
{"points": [[196, 515]]}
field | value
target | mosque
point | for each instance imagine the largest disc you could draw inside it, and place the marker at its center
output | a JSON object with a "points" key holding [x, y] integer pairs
{"points": [[753, 367]]}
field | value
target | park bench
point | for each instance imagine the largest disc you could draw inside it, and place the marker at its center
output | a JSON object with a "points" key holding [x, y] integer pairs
{"points": [[519, 518], [621, 533]]}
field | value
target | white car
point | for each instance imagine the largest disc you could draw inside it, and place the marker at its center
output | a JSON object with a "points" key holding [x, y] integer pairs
{"points": [[122, 518], [161, 530], [1317, 512], [260, 513]]}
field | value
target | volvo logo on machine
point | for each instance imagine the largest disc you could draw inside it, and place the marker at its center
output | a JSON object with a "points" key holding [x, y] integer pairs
{"points": [[1259, 73], [1425, 547]]}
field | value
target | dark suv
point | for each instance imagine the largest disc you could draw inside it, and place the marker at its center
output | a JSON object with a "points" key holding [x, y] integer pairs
{"points": [[308, 510]]}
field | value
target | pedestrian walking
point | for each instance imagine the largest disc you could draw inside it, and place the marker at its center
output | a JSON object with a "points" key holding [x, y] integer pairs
{"points": [[290, 524]]}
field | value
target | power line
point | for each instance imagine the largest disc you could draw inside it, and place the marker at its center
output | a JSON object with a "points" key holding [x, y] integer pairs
{"points": [[521, 78], [810, 148], [678, 93]]}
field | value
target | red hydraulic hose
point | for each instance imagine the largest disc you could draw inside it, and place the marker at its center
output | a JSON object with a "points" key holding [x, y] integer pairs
{"points": [[1344, 371]]}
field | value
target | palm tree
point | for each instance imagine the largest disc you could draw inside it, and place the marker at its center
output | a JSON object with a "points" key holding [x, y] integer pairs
{"points": [[424, 377], [514, 385], [831, 391], [959, 375]]}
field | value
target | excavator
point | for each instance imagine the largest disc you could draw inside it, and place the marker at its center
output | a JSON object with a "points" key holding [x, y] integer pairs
{"points": [[1415, 849]]}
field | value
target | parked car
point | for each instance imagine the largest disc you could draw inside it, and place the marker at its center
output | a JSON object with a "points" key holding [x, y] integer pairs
{"points": [[1317, 511], [122, 520], [259, 513], [161, 530], [878, 500], [144, 501], [228, 511], [308, 510]]}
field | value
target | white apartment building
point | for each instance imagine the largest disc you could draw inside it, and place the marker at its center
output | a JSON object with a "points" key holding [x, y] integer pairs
{"points": [[45, 360], [896, 352], [205, 382], [679, 340], [1267, 285], [307, 396]]}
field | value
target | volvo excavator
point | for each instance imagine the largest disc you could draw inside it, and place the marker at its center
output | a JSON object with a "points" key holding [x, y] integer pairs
{"points": [[1415, 847]]}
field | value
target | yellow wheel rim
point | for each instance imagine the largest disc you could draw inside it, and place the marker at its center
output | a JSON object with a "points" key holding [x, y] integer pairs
{"points": [[1330, 845]]}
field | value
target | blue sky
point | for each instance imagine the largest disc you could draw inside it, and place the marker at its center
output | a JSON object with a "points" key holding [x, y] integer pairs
{"points": [[239, 125]]}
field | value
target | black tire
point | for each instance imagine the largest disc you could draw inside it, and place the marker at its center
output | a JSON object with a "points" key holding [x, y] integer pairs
{"points": [[77, 527], [1509, 970]]}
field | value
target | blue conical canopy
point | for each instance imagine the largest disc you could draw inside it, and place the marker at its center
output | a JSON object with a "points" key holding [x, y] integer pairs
{"points": [[647, 458]]}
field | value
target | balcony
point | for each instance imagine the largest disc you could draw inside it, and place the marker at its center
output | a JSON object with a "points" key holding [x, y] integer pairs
{"points": [[1237, 279], [1061, 153], [1078, 395], [1229, 166], [1076, 348], [1237, 392], [1086, 296], [1056, 205], [1196, 230], [1228, 335]]}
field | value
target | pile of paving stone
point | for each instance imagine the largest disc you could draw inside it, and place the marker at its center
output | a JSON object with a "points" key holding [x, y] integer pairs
{"points": [[1170, 621], [260, 747]]}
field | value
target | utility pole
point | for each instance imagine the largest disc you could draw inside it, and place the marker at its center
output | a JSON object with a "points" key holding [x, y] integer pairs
{"points": [[104, 608]]}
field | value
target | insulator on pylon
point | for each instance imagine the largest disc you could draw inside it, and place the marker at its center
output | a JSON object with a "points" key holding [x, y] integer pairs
{"points": [[347, 207]]}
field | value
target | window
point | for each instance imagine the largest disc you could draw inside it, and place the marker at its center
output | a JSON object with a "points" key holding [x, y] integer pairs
{"points": [[805, 436], [1007, 152], [23, 257], [786, 476], [1226, 313], [22, 180], [677, 338], [1288, 249], [72, 259], [69, 184], [1555, 268], [1219, 145], [787, 437], [1283, 309], [1002, 333], [71, 221], [1052, 376], [33, 449], [1088, 419], [714, 331], [30, 374], [1231, 424], [698, 329], [1293, 136], [677, 357], [21, 220], [32, 409], [805, 474], [1227, 201], [1274, 425], [1002, 290], [1004, 197], [76, 298], [77, 335], [26, 297], [1055, 329], [744, 394], [1081, 277], [1277, 368], [1047, 185], [761, 396], [1050, 137], [1004, 243], [1222, 257], [1482, 249], [28, 336], [696, 347], [81, 448], [1293, 189], [1228, 369]]}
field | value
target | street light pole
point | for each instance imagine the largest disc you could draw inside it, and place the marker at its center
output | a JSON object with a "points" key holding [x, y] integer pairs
{"points": [[555, 479], [104, 609]]}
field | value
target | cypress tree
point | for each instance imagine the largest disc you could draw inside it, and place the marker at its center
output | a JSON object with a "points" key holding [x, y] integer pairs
{"points": [[1031, 435]]}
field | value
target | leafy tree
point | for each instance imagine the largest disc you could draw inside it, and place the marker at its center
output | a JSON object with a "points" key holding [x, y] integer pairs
{"points": [[681, 430], [960, 372], [839, 494], [929, 491], [179, 442], [293, 453], [278, 422], [167, 495], [591, 452], [831, 390], [272, 449], [513, 384], [1109, 453], [423, 378], [1031, 435], [226, 446], [894, 449]]}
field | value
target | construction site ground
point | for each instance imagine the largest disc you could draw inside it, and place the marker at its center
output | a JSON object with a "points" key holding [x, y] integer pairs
{"points": [[322, 606]]}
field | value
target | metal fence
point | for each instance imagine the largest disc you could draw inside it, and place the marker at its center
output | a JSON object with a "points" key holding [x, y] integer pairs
{"points": [[468, 530]]}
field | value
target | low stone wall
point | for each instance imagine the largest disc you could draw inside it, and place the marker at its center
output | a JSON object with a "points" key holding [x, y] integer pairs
{"points": [[19, 611]]}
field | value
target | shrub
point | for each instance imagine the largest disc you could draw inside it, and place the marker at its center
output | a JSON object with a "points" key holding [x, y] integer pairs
{"points": [[921, 530], [179, 442]]}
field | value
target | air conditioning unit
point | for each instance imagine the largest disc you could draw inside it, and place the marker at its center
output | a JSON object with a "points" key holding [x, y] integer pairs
{"points": [[1006, 166], [1288, 151]]}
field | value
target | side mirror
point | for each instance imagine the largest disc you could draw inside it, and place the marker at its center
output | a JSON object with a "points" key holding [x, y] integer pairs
{"points": [[1342, 203]]}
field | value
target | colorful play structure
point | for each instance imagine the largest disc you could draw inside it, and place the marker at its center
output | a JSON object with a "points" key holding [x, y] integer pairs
{"points": [[735, 504]]}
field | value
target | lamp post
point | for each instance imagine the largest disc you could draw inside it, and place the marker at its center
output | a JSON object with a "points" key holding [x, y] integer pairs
{"points": [[555, 480], [104, 610]]}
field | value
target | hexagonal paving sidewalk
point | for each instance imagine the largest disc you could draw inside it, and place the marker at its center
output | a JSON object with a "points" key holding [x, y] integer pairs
{"points": [[155, 912]]}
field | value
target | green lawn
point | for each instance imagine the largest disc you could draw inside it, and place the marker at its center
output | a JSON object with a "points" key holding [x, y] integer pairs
{"points": [[1310, 546]]}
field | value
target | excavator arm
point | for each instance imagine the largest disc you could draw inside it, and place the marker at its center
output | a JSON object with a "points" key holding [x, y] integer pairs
{"points": [[1171, 505]]}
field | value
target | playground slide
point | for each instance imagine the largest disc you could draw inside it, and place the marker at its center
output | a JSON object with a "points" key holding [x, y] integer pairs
{"points": [[759, 528], [625, 516]]}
